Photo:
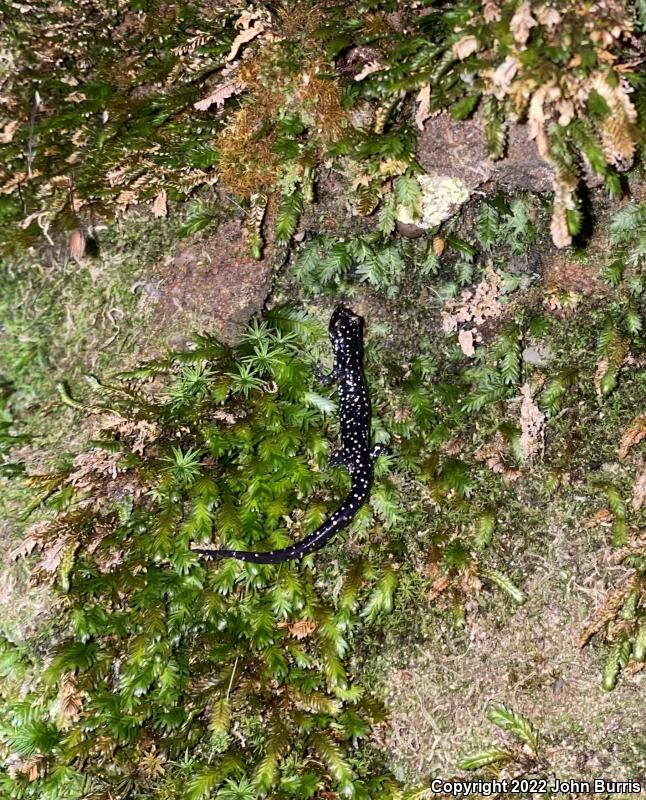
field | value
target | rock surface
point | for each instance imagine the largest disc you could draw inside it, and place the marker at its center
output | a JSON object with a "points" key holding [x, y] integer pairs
{"points": [[211, 285], [458, 149], [453, 155]]}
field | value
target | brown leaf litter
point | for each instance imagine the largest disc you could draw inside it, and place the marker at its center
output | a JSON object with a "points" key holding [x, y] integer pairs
{"points": [[493, 455], [473, 308], [532, 421], [632, 436]]}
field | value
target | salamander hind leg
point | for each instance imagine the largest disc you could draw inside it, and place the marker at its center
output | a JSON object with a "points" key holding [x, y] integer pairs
{"points": [[326, 378], [377, 450]]}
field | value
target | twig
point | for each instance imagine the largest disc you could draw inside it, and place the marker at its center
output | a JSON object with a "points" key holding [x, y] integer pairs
{"points": [[233, 672], [231, 200], [30, 143]]}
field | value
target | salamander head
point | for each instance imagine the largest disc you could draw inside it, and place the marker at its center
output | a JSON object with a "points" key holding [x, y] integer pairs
{"points": [[345, 324]]}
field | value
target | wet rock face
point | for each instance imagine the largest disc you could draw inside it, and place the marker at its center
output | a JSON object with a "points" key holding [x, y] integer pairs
{"points": [[453, 154], [212, 285], [458, 149]]}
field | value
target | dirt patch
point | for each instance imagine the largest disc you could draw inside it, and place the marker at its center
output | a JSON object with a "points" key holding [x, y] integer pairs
{"points": [[212, 285], [563, 274], [530, 662]]}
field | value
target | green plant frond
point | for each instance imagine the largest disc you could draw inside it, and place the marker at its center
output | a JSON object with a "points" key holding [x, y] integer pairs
{"points": [[289, 213], [332, 756], [518, 726], [504, 583], [381, 598], [485, 758], [202, 785], [616, 661]]}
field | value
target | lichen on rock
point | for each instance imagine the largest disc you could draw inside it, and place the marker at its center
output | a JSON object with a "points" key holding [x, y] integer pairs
{"points": [[440, 199]]}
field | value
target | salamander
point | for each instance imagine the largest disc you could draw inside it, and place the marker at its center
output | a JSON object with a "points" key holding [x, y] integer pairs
{"points": [[356, 453]]}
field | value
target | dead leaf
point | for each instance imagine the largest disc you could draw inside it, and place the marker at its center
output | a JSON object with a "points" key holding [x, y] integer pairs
{"points": [[247, 33], [31, 769], [491, 12], [424, 108], [69, 697], [465, 47], [54, 554], [431, 568], [475, 306], [558, 225], [438, 245], [246, 19], [77, 244], [549, 17], [522, 22], [636, 546], [363, 179], [639, 491], [599, 373], [493, 456], [368, 69], [26, 547], [603, 517], [35, 217], [218, 96], [538, 114], [470, 583], [609, 608], [391, 167], [505, 73], [225, 416], [449, 322], [532, 421], [6, 136], [465, 339], [151, 765], [145, 432], [16, 179], [300, 629], [633, 434], [95, 462], [617, 129], [188, 47], [160, 207], [562, 302], [438, 586], [453, 447], [125, 198], [323, 794]]}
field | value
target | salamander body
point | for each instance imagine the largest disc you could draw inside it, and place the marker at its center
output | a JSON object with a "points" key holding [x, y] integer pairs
{"points": [[356, 453]]}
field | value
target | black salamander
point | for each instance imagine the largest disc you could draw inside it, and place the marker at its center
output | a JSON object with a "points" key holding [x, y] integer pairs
{"points": [[356, 453]]}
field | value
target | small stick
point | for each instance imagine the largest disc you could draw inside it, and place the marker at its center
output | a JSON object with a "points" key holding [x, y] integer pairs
{"points": [[30, 143], [233, 672]]}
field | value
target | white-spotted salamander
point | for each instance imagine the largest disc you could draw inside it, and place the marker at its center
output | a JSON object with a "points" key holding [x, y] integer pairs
{"points": [[356, 453]]}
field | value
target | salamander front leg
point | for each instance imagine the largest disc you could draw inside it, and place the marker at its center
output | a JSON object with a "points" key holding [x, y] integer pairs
{"points": [[326, 378]]}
